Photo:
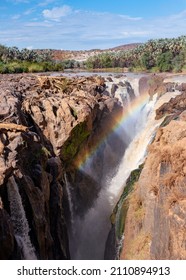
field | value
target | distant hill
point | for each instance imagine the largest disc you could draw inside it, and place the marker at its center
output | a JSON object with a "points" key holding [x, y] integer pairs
{"points": [[125, 47], [83, 55]]}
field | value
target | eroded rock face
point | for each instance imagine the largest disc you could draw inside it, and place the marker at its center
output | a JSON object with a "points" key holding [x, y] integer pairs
{"points": [[74, 115], [149, 221], [65, 109], [156, 224], [118, 86], [45, 122], [175, 106], [154, 84], [26, 159]]}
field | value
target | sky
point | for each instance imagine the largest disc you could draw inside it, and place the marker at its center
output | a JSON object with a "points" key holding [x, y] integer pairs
{"points": [[88, 24]]}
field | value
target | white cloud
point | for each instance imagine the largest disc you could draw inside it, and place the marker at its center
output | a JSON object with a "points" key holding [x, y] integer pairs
{"points": [[53, 28], [130, 18], [46, 3], [57, 13], [30, 47], [38, 24], [29, 11], [21, 1], [15, 17], [178, 16], [127, 34]]}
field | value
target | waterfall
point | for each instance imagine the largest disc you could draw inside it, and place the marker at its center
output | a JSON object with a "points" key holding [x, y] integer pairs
{"points": [[134, 155], [136, 151], [71, 224], [68, 189], [20, 223], [91, 231], [119, 247]]}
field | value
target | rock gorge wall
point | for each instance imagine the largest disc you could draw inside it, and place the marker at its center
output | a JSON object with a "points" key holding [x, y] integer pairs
{"points": [[155, 222], [45, 122], [149, 220], [47, 127]]}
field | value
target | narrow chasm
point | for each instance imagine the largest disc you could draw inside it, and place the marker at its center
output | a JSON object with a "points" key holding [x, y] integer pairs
{"points": [[72, 154], [97, 200]]}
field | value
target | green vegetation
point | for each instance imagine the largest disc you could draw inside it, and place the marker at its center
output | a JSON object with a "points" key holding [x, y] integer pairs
{"points": [[71, 147], [160, 55], [13, 60], [118, 217], [71, 64], [168, 119], [120, 212]]}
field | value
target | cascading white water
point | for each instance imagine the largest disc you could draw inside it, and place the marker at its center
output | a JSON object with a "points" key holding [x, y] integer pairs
{"points": [[69, 197], [136, 151], [91, 232], [20, 223], [134, 155]]}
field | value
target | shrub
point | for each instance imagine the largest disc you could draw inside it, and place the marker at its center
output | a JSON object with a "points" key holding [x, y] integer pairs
{"points": [[164, 61]]}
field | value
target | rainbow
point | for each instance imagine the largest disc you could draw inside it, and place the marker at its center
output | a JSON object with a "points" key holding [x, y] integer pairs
{"points": [[119, 121]]}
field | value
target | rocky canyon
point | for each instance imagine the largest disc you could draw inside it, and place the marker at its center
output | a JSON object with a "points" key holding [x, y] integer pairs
{"points": [[92, 167]]}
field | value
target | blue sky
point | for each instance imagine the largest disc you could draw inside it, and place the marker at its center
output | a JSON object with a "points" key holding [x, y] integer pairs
{"points": [[88, 24]]}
